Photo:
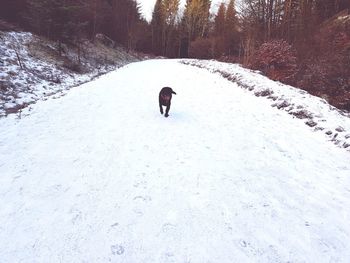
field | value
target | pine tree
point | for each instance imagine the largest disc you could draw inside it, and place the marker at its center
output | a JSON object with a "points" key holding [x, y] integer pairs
{"points": [[10, 10], [123, 22], [195, 23], [56, 19], [220, 21], [196, 18], [157, 24], [97, 13], [231, 32], [171, 8]]}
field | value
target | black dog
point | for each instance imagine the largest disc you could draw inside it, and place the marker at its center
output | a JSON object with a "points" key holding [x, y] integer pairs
{"points": [[165, 99]]}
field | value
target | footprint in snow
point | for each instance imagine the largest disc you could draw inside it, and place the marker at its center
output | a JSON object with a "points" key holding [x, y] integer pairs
{"points": [[141, 184], [249, 249], [117, 249], [115, 225], [167, 227], [146, 147], [77, 216], [243, 243], [138, 212], [143, 198]]}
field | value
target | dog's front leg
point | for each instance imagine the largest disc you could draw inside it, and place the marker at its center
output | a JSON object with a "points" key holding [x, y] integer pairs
{"points": [[167, 110], [160, 107]]}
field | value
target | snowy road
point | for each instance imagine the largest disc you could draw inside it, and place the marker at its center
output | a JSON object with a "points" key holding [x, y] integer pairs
{"points": [[100, 176]]}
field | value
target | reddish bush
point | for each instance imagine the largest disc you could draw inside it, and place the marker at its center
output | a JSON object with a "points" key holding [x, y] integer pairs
{"points": [[201, 48], [313, 77], [219, 47], [277, 60]]}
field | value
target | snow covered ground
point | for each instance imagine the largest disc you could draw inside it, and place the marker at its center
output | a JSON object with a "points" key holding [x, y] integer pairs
{"points": [[315, 111], [99, 175], [43, 72]]}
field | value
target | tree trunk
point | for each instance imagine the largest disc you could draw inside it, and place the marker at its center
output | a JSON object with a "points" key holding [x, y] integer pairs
{"points": [[19, 59]]}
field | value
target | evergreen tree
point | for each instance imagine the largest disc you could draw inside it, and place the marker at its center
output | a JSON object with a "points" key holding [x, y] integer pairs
{"points": [[157, 24], [125, 21], [11, 10], [164, 26], [98, 14], [195, 23], [196, 18], [231, 32], [171, 8], [56, 19], [220, 21]]}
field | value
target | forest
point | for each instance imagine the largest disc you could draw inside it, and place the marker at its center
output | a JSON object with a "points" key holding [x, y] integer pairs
{"points": [[304, 43]]}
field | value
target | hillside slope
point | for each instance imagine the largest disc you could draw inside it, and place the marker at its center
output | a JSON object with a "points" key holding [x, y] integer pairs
{"points": [[32, 69], [99, 175]]}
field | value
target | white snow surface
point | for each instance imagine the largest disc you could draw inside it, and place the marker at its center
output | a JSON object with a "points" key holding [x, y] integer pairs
{"points": [[316, 112], [99, 175]]}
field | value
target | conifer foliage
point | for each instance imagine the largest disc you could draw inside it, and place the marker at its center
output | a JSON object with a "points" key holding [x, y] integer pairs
{"points": [[69, 20], [220, 21], [164, 25]]}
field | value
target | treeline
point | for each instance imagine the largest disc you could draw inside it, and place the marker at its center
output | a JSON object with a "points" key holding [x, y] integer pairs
{"points": [[69, 21], [170, 33], [195, 33]]}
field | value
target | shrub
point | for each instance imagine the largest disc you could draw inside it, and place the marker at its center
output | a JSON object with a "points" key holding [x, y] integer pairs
{"points": [[277, 60], [201, 48], [74, 66]]}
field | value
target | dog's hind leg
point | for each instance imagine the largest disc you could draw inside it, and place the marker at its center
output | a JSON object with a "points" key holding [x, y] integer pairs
{"points": [[167, 110]]}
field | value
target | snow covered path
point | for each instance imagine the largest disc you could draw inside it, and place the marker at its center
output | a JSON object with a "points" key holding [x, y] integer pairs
{"points": [[100, 176]]}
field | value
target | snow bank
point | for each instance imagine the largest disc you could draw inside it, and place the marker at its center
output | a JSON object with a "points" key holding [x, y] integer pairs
{"points": [[43, 72], [314, 111]]}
